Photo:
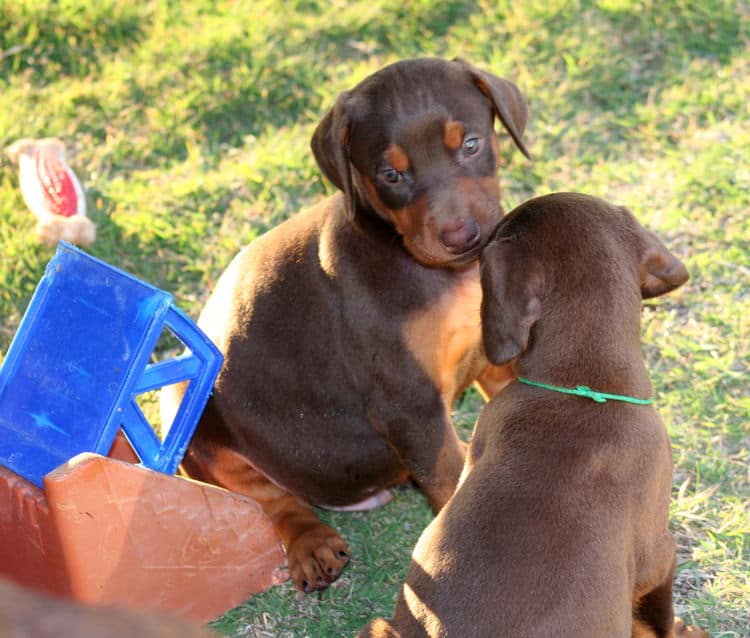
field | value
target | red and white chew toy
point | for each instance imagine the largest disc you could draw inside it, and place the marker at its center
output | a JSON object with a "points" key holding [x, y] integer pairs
{"points": [[52, 191]]}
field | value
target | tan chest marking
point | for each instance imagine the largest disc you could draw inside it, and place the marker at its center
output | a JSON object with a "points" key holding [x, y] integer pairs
{"points": [[445, 337]]}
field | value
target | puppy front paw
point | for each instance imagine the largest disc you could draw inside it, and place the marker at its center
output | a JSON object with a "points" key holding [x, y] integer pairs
{"points": [[316, 558]]}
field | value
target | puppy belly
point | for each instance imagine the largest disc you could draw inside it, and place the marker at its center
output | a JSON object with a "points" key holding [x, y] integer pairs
{"points": [[376, 500], [329, 477]]}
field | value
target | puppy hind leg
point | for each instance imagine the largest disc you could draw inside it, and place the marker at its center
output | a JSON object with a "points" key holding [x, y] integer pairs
{"points": [[679, 630], [315, 552], [640, 630], [654, 612], [653, 616]]}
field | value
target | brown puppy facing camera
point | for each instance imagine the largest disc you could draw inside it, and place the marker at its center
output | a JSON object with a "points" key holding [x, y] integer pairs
{"points": [[349, 329], [559, 524]]}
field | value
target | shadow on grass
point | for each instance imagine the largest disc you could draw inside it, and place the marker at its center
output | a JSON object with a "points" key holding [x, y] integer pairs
{"points": [[243, 90], [628, 52], [286, 86]]}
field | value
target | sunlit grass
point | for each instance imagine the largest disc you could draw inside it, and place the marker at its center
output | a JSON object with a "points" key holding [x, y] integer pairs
{"points": [[190, 122]]}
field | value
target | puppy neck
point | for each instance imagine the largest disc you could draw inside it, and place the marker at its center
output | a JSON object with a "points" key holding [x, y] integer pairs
{"points": [[604, 355]]}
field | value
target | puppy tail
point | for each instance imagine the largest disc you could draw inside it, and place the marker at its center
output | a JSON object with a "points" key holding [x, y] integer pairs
{"points": [[379, 628]]}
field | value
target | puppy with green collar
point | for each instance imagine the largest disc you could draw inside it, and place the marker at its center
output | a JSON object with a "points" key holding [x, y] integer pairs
{"points": [[559, 525]]}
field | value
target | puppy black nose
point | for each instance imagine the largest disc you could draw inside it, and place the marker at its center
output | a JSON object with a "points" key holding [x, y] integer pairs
{"points": [[461, 236]]}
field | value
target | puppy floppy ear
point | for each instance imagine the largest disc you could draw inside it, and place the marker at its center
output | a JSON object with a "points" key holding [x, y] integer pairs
{"points": [[512, 283], [330, 146], [510, 106], [660, 270]]}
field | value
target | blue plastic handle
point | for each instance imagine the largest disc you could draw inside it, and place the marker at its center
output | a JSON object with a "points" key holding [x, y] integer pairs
{"points": [[80, 358]]}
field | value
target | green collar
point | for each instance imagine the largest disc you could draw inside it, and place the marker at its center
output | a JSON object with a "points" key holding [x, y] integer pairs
{"points": [[584, 391]]}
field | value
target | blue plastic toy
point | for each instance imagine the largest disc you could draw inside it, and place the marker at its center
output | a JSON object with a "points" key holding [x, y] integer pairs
{"points": [[81, 357]]}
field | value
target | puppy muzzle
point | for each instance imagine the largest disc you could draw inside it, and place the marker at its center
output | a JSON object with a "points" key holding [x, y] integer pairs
{"points": [[461, 237]]}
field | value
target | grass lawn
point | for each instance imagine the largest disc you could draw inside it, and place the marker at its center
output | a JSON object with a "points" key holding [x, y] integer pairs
{"points": [[190, 123]]}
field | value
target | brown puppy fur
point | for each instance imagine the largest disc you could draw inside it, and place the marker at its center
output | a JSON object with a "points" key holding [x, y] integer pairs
{"points": [[559, 523], [28, 614], [349, 330]]}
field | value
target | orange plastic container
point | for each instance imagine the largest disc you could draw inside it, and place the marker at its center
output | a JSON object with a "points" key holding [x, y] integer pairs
{"points": [[105, 531]]}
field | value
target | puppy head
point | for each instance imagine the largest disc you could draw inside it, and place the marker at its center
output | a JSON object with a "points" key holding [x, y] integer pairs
{"points": [[414, 144], [566, 257]]}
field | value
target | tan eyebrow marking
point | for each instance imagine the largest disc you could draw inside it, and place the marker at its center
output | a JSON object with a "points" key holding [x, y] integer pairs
{"points": [[453, 136], [397, 158]]}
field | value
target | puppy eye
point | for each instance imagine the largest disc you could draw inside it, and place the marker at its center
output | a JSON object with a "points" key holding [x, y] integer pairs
{"points": [[471, 145], [391, 175]]}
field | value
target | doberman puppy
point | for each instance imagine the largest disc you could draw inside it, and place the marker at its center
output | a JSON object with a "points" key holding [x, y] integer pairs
{"points": [[559, 524], [349, 329]]}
